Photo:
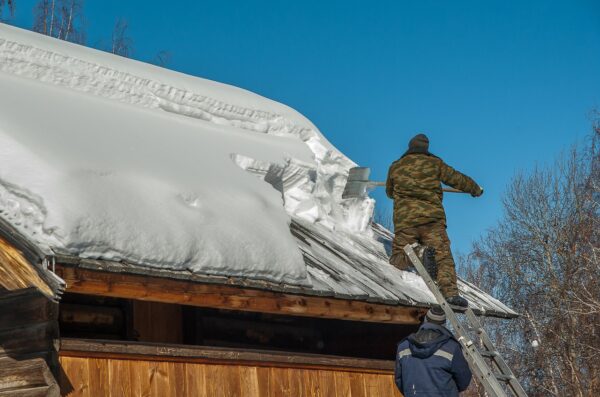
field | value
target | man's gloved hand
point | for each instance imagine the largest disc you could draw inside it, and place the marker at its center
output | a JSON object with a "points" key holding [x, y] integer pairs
{"points": [[479, 193]]}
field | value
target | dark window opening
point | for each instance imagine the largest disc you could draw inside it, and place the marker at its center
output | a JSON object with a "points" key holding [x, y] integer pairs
{"points": [[91, 317], [94, 317]]}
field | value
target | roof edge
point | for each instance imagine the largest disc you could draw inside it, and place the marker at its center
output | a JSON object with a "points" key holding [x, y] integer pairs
{"points": [[35, 257], [179, 275]]}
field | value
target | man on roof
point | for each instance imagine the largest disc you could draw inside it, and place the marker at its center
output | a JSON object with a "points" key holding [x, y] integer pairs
{"points": [[430, 362], [414, 183]]}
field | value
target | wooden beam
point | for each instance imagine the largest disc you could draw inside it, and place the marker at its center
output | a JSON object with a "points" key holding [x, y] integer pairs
{"points": [[91, 282], [27, 378], [23, 307], [217, 355], [102, 319], [28, 324]]}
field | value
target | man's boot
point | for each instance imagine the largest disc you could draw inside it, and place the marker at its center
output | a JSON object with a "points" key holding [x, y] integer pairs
{"points": [[402, 262], [428, 259], [457, 303]]}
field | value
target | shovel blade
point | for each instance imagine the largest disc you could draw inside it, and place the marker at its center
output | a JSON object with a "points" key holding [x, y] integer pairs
{"points": [[356, 185], [359, 174]]}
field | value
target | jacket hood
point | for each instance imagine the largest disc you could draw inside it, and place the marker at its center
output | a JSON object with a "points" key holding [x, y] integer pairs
{"points": [[428, 340]]}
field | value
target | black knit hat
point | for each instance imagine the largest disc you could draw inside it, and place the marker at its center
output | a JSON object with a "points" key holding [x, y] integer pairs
{"points": [[436, 315], [419, 141]]}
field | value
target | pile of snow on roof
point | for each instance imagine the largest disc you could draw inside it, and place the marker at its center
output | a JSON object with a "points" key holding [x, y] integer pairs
{"points": [[106, 157]]}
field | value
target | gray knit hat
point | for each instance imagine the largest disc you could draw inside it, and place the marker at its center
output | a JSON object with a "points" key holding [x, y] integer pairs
{"points": [[436, 315], [419, 141]]}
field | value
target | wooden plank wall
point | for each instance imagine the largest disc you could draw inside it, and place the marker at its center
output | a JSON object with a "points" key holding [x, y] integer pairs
{"points": [[157, 322], [115, 377], [28, 330]]}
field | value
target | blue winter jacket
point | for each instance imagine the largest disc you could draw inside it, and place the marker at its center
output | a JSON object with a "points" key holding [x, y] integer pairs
{"points": [[430, 363]]}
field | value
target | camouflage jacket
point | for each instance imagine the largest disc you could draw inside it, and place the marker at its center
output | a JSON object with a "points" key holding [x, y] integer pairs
{"points": [[414, 182]]}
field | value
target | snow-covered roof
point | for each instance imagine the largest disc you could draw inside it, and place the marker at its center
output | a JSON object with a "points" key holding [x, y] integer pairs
{"points": [[106, 158]]}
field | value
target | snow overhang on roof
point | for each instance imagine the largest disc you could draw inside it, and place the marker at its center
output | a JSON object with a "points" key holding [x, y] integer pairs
{"points": [[110, 159]]}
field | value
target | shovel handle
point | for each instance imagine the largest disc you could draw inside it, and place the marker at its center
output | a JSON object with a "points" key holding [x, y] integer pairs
{"points": [[451, 190], [445, 189]]}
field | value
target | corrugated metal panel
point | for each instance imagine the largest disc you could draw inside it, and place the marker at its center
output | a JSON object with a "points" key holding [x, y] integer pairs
{"points": [[363, 272]]}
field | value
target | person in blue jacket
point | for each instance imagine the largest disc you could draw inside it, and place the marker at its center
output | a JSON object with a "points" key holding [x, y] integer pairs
{"points": [[430, 362]]}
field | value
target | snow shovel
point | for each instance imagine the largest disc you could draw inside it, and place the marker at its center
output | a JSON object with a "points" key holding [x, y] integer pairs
{"points": [[358, 183]]}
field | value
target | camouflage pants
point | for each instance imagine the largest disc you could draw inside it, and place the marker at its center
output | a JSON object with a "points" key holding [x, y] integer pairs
{"points": [[433, 235]]}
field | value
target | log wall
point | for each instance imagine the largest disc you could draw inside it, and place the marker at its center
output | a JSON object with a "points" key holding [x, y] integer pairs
{"points": [[28, 331], [167, 371]]}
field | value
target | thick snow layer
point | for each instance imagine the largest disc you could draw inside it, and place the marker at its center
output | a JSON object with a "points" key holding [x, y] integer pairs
{"points": [[106, 157]]}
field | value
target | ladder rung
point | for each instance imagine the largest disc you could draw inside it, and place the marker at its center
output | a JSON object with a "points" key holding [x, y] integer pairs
{"points": [[488, 354], [471, 328], [504, 378]]}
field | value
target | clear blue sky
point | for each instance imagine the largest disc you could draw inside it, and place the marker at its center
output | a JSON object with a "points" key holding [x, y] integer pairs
{"points": [[497, 85]]}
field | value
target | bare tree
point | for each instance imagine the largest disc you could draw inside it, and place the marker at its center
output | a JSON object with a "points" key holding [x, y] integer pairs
{"points": [[121, 43], [62, 19], [163, 58], [543, 260], [384, 217], [10, 4]]}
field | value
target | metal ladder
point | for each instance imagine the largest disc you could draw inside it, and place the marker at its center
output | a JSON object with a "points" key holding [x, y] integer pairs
{"points": [[489, 378]]}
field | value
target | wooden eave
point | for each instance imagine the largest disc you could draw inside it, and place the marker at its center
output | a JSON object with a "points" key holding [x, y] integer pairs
{"points": [[122, 268], [177, 291], [22, 265]]}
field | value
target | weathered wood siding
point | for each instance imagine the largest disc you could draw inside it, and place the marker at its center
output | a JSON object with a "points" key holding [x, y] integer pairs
{"points": [[116, 377], [120, 369], [28, 330]]}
